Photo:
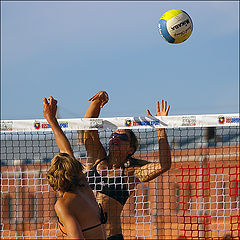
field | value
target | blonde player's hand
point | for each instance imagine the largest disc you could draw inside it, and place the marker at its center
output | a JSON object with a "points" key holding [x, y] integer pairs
{"points": [[102, 96], [49, 108], [163, 111]]}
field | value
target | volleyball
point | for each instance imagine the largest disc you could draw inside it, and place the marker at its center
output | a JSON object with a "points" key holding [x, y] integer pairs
{"points": [[175, 26]]}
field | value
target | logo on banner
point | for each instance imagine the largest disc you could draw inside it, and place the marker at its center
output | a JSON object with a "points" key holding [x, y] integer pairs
{"points": [[37, 125], [189, 121], [128, 123], [96, 123], [221, 120], [61, 124], [6, 126], [146, 123], [232, 120]]}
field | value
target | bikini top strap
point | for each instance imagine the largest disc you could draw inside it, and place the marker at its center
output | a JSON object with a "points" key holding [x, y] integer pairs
{"points": [[95, 165], [59, 225], [123, 170]]}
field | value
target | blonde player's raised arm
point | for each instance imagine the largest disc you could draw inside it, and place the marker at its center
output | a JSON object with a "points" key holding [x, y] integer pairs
{"points": [[49, 112], [79, 215]]}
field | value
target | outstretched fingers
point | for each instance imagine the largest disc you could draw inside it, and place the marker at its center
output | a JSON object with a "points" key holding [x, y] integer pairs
{"points": [[168, 109], [164, 108], [161, 109], [163, 104], [148, 113], [158, 107]]}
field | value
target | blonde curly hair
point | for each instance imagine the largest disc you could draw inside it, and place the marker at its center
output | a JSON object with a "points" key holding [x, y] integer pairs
{"points": [[65, 173]]}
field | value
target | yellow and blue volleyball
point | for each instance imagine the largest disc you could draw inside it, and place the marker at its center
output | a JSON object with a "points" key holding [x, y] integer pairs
{"points": [[175, 26]]}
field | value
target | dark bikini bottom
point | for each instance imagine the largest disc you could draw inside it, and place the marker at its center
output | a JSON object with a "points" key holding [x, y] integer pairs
{"points": [[116, 237]]}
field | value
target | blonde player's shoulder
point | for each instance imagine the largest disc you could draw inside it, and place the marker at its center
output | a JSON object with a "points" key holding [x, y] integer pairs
{"points": [[63, 202], [60, 207], [73, 204]]}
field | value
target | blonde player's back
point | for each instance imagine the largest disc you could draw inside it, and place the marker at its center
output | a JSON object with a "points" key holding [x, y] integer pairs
{"points": [[82, 205]]}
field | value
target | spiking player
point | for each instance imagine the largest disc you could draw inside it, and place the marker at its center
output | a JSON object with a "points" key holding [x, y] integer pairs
{"points": [[115, 174]]}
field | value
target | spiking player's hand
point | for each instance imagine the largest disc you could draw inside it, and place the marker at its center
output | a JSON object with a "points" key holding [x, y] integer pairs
{"points": [[160, 112], [102, 96]]}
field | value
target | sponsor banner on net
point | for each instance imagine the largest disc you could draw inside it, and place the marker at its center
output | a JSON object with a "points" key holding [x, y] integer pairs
{"points": [[123, 122]]}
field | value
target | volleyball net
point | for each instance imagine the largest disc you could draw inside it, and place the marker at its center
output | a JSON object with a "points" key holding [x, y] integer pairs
{"points": [[198, 198]]}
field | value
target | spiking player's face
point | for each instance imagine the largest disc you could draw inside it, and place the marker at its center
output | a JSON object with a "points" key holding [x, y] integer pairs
{"points": [[119, 143]]}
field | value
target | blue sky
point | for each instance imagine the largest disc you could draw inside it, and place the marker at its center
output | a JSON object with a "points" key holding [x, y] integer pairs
{"points": [[71, 50]]}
